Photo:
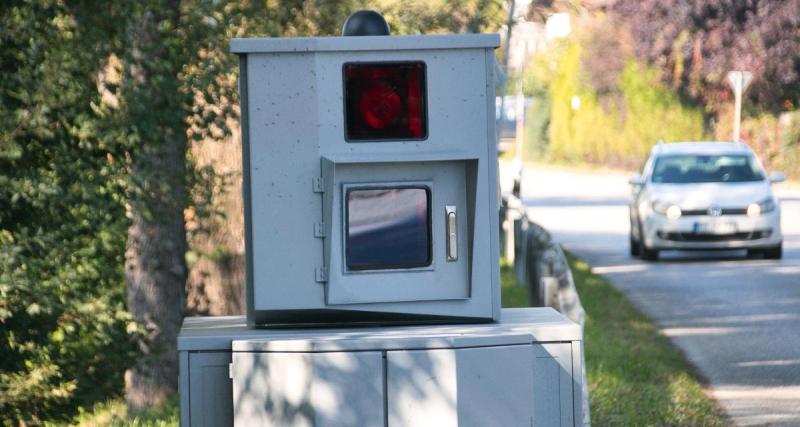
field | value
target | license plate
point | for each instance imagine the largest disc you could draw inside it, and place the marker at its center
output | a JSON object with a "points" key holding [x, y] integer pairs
{"points": [[715, 227]]}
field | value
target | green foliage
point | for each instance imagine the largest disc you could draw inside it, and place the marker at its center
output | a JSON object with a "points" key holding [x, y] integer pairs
{"points": [[776, 139], [71, 129], [654, 112], [64, 331], [440, 16], [616, 128], [695, 44], [537, 120], [693, 47], [537, 127], [624, 106], [114, 413], [512, 294]]}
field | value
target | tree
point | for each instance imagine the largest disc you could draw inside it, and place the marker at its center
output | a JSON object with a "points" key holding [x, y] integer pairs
{"points": [[695, 43], [177, 83], [439, 16], [64, 330], [153, 108], [99, 106]]}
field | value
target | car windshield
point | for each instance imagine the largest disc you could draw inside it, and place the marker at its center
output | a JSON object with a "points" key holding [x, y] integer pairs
{"points": [[687, 169]]}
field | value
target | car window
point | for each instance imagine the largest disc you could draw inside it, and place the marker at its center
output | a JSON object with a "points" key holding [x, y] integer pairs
{"points": [[686, 169]]}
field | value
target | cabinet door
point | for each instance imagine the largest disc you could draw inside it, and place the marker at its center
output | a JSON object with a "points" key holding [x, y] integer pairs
{"points": [[552, 373], [308, 389], [379, 212], [210, 400], [482, 386]]}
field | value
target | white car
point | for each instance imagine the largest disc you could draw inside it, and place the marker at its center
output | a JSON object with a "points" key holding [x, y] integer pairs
{"points": [[704, 196]]}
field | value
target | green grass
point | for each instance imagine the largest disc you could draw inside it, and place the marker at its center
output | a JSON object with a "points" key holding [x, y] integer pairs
{"points": [[637, 377], [511, 295], [114, 413]]}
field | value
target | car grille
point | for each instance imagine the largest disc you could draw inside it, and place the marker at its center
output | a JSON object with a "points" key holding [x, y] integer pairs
{"points": [[712, 212], [704, 237]]}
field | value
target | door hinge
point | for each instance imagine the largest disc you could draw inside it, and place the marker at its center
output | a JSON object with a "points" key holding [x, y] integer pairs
{"points": [[321, 274], [319, 229], [319, 185]]}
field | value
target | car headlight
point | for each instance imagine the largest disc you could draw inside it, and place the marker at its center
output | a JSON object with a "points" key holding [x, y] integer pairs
{"points": [[671, 211], [764, 206], [674, 212]]}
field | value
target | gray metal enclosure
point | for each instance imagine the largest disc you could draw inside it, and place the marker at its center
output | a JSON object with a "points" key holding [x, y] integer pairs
{"points": [[370, 189], [522, 371], [299, 166]]}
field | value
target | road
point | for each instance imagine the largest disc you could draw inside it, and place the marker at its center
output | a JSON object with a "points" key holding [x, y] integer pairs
{"points": [[736, 319]]}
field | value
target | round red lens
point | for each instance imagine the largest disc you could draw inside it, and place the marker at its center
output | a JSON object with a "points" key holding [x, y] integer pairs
{"points": [[380, 105]]}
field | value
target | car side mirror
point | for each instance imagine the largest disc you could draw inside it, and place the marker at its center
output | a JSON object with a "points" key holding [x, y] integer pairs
{"points": [[636, 180], [776, 177]]}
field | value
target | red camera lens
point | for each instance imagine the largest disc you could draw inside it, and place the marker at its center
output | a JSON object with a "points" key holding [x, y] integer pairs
{"points": [[385, 101], [380, 106]]}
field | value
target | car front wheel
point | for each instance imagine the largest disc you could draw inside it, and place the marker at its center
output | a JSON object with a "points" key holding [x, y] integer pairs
{"points": [[769, 253], [773, 253], [648, 254], [643, 251], [635, 246]]}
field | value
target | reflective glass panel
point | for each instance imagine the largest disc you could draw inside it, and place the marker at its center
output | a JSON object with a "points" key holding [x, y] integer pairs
{"points": [[385, 101], [388, 228], [691, 169]]}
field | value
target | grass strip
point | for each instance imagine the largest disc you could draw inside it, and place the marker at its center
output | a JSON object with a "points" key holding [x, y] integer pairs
{"points": [[512, 295], [637, 377], [114, 413]]}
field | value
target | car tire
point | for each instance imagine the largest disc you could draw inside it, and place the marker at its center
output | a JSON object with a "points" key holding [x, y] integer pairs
{"points": [[636, 247], [646, 253], [774, 253]]}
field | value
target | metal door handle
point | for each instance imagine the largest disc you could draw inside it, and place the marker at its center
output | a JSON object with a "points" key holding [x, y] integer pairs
{"points": [[452, 233]]}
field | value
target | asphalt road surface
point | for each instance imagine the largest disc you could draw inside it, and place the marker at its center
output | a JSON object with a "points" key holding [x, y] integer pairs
{"points": [[736, 319]]}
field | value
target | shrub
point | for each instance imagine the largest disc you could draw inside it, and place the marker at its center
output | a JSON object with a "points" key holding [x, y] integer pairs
{"points": [[616, 128], [64, 331]]}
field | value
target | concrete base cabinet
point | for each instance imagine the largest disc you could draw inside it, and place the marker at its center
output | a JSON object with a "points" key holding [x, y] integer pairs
{"points": [[522, 371]]}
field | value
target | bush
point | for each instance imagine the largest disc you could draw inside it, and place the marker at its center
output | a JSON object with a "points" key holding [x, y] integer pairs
{"points": [[64, 331], [616, 128], [594, 102], [776, 140]]}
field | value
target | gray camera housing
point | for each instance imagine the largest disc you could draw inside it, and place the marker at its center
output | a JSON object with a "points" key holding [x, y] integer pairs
{"points": [[298, 166]]}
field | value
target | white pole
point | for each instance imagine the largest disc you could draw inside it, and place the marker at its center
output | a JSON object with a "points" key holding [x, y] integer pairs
{"points": [[738, 80]]}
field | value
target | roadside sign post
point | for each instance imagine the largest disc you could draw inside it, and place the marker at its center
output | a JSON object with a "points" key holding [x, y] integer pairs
{"points": [[372, 287], [738, 81]]}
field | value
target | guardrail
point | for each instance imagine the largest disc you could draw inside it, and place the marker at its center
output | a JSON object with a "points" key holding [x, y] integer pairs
{"points": [[541, 266]]}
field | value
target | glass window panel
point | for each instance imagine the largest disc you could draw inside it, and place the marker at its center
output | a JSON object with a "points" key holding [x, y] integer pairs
{"points": [[688, 169], [388, 228], [385, 101]]}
